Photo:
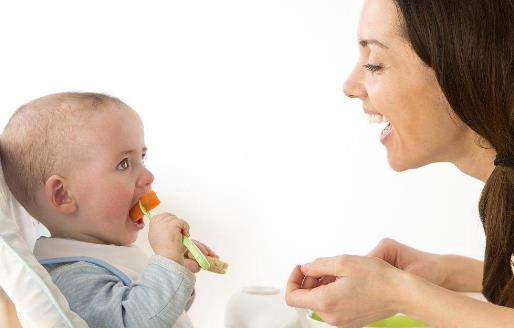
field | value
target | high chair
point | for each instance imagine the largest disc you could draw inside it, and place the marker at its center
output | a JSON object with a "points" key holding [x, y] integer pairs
{"points": [[28, 298]]}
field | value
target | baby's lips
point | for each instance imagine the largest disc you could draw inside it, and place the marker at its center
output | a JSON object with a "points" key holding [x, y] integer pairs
{"points": [[149, 201]]}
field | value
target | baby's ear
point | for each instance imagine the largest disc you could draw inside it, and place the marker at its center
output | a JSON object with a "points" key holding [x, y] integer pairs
{"points": [[58, 196]]}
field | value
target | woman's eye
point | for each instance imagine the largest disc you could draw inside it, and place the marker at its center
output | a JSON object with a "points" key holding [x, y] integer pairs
{"points": [[372, 68], [124, 164]]}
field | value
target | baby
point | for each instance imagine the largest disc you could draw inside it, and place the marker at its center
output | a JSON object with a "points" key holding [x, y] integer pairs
{"points": [[75, 161]]}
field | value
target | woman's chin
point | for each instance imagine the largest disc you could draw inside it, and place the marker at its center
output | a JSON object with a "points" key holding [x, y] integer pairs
{"points": [[397, 165], [400, 164]]}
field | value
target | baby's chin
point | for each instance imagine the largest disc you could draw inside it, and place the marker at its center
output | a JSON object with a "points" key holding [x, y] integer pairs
{"points": [[129, 241], [124, 241]]}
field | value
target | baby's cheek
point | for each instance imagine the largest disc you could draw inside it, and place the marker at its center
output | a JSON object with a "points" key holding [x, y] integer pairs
{"points": [[116, 211], [113, 208]]}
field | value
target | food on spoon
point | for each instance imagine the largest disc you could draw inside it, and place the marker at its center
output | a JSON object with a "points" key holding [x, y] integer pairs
{"points": [[149, 201]]}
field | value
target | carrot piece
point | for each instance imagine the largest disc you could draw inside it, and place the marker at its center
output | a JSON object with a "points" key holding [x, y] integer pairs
{"points": [[149, 200]]}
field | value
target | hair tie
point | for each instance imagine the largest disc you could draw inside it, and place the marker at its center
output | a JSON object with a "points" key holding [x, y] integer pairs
{"points": [[504, 161]]}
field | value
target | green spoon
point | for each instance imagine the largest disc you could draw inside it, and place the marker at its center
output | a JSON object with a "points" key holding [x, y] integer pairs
{"points": [[195, 251]]}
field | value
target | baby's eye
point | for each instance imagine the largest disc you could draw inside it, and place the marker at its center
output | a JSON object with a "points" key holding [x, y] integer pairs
{"points": [[372, 68], [123, 165]]}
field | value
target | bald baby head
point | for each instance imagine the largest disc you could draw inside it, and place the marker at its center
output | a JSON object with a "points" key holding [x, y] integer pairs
{"points": [[42, 136]]}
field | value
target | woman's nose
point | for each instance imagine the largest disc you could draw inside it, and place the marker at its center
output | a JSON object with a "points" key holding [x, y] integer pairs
{"points": [[145, 179], [353, 87]]}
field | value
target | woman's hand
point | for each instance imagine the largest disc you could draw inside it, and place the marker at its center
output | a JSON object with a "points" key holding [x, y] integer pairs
{"points": [[426, 265], [347, 291], [453, 272]]}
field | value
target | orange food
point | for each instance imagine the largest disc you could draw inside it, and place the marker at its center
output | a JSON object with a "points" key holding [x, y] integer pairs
{"points": [[149, 200]]}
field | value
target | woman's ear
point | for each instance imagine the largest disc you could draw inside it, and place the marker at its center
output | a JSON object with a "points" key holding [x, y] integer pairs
{"points": [[58, 196]]}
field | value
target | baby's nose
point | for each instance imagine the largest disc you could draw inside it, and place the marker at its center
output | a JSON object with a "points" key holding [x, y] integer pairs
{"points": [[146, 178]]}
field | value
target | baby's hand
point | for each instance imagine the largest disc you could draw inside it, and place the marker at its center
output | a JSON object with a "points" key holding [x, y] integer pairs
{"points": [[190, 261], [165, 236]]}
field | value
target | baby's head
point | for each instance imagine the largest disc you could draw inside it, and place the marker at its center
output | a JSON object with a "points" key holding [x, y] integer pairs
{"points": [[75, 162]]}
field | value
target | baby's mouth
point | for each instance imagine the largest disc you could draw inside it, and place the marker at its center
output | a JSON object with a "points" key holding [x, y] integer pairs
{"points": [[140, 224]]}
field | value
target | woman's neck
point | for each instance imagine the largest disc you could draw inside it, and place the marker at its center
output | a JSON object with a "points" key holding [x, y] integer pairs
{"points": [[476, 161]]}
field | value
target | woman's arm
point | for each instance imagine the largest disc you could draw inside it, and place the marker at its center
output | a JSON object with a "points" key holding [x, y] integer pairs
{"points": [[444, 308], [464, 274], [453, 272], [352, 291]]}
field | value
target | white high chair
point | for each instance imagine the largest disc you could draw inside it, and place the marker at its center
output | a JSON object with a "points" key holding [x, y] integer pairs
{"points": [[37, 300]]}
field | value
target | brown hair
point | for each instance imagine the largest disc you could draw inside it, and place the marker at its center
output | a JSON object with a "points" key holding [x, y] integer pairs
{"points": [[469, 45], [36, 141]]}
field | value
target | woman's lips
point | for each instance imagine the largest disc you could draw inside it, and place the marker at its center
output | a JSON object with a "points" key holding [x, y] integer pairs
{"points": [[386, 132]]}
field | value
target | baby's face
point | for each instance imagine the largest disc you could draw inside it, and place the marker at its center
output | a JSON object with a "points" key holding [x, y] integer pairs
{"points": [[108, 176]]}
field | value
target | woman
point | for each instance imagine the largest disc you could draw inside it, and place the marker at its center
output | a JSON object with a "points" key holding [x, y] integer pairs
{"points": [[441, 72], [8, 316]]}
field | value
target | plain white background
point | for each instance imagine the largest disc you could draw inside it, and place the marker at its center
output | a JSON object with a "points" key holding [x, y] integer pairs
{"points": [[249, 135]]}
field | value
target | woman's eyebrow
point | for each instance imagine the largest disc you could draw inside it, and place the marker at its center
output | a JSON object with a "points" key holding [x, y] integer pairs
{"points": [[368, 42]]}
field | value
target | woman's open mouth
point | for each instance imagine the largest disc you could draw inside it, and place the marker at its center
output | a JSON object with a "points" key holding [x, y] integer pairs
{"points": [[375, 118]]}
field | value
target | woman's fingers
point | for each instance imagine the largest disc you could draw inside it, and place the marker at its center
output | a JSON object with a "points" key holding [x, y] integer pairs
{"points": [[386, 249], [336, 266], [312, 283], [342, 289], [309, 283], [295, 280], [327, 280], [308, 298], [299, 293]]}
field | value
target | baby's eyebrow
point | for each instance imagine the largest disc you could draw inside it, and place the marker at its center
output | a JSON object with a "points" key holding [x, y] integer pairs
{"points": [[126, 152]]}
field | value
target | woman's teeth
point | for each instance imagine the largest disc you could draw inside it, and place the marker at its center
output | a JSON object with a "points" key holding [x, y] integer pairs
{"points": [[377, 118]]}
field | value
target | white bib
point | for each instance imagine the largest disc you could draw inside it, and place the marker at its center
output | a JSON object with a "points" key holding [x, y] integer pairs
{"points": [[126, 262]]}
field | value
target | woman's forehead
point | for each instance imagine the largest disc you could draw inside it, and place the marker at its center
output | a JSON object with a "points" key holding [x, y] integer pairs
{"points": [[379, 21]]}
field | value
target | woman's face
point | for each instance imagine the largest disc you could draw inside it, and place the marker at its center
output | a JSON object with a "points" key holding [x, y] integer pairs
{"points": [[396, 86]]}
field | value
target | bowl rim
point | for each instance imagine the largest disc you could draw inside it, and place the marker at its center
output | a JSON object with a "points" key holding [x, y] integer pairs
{"points": [[309, 318]]}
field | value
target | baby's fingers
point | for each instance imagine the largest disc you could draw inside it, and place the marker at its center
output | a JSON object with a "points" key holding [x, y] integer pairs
{"points": [[182, 225], [192, 265], [167, 221], [206, 250], [163, 216]]}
